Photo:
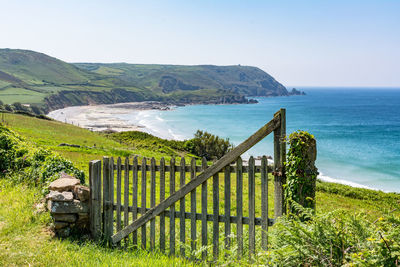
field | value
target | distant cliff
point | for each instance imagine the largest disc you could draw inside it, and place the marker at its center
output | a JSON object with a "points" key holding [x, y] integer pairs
{"points": [[201, 79], [35, 78]]}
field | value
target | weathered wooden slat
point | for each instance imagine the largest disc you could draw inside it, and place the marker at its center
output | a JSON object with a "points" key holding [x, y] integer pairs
{"points": [[264, 203], [91, 193], [227, 191], [193, 230], [112, 196], [119, 185], [210, 217], [153, 203], [97, 201], [278, 190], [162, 197], [143, 194], [126, 196], [282, 154], [109, 212], [215, 168], [182, 209], [95, 198], [239, 206], [172, 209], [252, 205], [279, 158], [204, 194], [134, 196], [106, 197], [216, 217]]}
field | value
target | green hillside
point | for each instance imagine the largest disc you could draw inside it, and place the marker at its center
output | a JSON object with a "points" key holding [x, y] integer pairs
{"points": [[164, 79], [34, 78], [33, 68], [29, 77]]}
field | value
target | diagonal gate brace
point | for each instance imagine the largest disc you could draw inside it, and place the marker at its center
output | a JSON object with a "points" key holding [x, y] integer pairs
{"points": [[203, 176]]}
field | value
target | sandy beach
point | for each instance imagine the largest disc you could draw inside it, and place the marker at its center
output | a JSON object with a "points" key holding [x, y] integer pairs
{"points": [[105, 117]]}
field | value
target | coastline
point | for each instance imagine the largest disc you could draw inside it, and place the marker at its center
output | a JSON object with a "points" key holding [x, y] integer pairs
{"points": [[329, 179], [110, 117], [106, 117]]}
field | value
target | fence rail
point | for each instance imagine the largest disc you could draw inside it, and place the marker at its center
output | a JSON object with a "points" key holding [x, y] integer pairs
{"points": [[133, 200]]}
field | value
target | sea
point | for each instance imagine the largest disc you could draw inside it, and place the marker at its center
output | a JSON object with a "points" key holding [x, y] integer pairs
{"points": [[357, 129]]}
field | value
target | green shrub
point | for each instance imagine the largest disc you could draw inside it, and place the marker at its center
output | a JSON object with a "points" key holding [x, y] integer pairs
{"points": [[9, 149], [335, 239], [55, 164], [23, 162], [208, 145], [18, 106], [8, 108]]}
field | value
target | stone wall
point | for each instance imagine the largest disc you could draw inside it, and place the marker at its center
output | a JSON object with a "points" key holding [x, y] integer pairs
{"points": [[68, 203]]}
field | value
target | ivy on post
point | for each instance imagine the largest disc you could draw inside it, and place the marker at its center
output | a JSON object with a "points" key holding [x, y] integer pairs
{"points": [[301, 173]]}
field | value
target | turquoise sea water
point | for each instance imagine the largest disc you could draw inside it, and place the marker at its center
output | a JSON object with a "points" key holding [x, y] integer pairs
{"points": [[357, 130]]}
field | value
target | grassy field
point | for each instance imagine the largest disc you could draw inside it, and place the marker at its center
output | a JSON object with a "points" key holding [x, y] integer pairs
{"points": [[53, 133], [25, 239], [24, 235], [11, 95]]}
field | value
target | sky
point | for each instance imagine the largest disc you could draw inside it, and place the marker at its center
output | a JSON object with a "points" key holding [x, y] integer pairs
{"points": [[300, 43]]}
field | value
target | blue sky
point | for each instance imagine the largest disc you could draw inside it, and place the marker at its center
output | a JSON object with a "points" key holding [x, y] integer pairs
{"points": [[300, 43]]}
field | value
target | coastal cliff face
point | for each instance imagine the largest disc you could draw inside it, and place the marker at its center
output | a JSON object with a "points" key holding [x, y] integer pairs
{"points": [[35, 78], [79, 98]]}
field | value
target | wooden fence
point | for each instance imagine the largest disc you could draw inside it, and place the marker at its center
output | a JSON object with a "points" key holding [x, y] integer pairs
{"points": [[122, 212]]}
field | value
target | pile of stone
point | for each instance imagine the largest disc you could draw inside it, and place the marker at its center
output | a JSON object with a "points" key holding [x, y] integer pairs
{"points": [[68, 203]]}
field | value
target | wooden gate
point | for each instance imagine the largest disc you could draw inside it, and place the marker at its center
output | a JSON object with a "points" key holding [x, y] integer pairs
{"points": [[122, 212]]}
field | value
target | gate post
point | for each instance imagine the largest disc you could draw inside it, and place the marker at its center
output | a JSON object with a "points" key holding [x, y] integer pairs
{"points": [[279, 168], [95, 198], [302, 172]]}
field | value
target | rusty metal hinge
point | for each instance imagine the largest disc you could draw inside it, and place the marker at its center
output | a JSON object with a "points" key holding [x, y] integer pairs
{"points": [[278, 172]]}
